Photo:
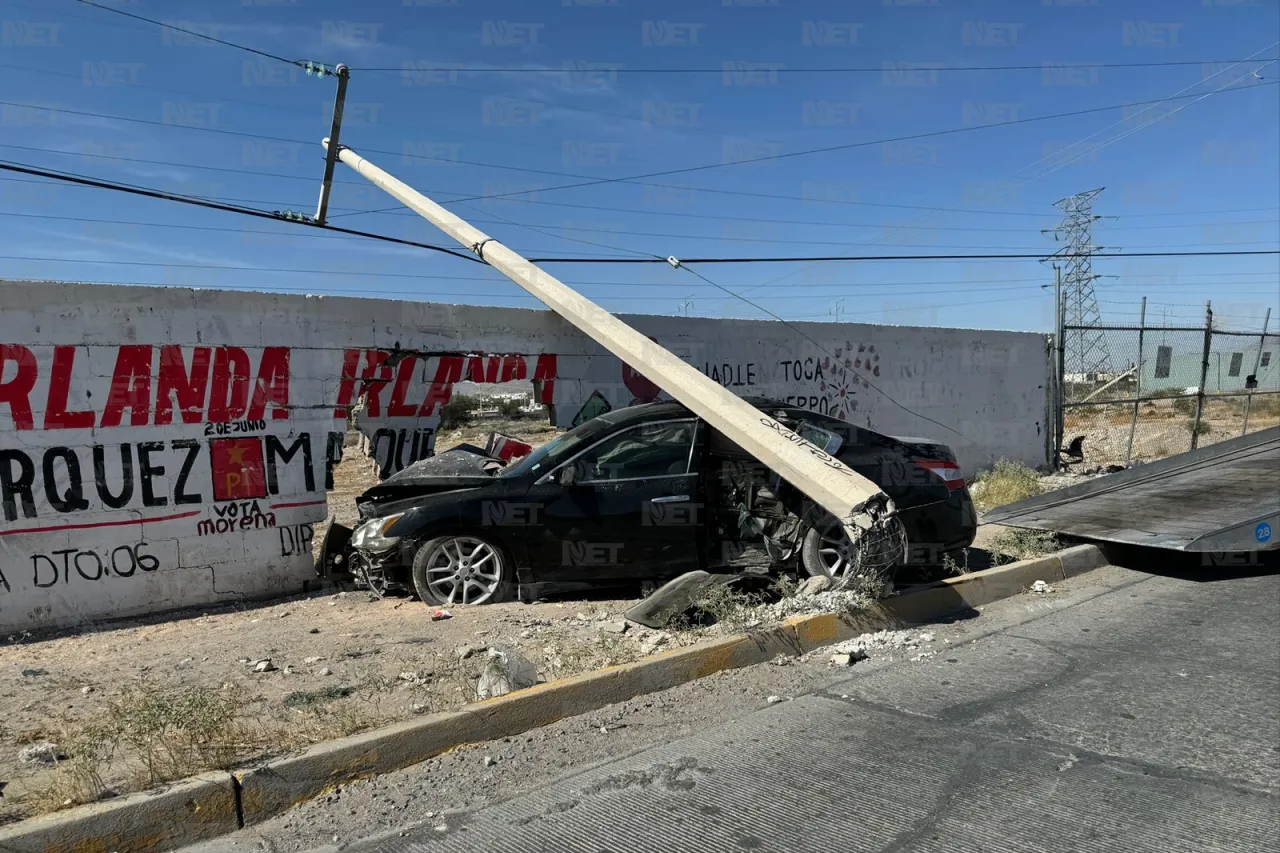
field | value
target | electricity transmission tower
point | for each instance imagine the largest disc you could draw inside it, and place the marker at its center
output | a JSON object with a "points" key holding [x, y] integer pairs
{"points": [[1083, 341]]}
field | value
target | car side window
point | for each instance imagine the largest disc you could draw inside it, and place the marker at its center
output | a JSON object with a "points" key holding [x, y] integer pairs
{"points": [[650, 450]]}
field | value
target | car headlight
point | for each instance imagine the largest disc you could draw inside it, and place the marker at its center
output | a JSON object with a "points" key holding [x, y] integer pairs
{"points": [[372, 535]]}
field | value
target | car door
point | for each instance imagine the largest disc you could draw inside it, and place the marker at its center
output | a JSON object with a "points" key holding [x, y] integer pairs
{"points": [[630, 511]]}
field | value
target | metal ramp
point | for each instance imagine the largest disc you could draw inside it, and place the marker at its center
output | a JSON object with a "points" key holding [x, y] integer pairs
{"points": [[1225, 497]]}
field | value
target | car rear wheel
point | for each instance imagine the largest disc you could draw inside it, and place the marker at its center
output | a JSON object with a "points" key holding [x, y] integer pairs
{"points": [[828, 552], [452, 570]]}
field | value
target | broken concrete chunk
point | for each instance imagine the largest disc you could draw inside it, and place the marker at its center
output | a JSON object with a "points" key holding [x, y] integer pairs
{"points": [[505, 671], [1041, 588], [813, 586], [324, 670], [615, 627], [489, 761], [774, 700], [264, 666]]}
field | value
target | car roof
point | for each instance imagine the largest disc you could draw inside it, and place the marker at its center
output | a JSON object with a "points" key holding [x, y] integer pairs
{"points": [[674, 409]]}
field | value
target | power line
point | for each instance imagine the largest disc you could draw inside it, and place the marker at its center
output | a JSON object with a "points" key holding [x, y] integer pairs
{"points": [[636, 179], [823, 150], [973, 283], [209, 38], [828, 258], [200, 166], [729, 67], [213, 205]]}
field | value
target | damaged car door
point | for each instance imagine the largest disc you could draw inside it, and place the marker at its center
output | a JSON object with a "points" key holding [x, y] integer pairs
{"points": [[624, 508]]}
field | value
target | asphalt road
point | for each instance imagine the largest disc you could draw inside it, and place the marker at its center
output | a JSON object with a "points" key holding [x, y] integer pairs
{"points": [[1143, 718]]}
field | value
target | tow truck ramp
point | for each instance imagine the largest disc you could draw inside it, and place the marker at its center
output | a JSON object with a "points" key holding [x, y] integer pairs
{"points": [[1220, 498]]}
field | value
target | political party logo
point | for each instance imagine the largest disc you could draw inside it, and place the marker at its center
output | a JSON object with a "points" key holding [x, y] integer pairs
{"points": [[238, 469]]}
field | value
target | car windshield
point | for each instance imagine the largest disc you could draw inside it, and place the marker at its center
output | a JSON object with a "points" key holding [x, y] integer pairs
{"points": [[544, 458]]}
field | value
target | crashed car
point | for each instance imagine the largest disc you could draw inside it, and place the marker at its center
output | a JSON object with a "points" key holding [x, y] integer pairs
{"points": [[637, 495]]}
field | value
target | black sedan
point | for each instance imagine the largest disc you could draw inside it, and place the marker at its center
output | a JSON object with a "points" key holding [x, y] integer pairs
{"points": [[638, 495]]}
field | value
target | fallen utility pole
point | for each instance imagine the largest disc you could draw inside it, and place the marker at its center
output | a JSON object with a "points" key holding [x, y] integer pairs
{"points": [[851, 498]]}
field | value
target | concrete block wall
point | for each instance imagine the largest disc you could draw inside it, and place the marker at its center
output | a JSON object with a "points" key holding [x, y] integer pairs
{"points": [[167, 447]]}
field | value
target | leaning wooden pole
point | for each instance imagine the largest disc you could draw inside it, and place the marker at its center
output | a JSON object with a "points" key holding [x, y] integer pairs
{"points": [[853, 499]]}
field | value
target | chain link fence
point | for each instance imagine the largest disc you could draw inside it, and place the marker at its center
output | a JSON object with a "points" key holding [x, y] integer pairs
{"points": [[1170, 389]]}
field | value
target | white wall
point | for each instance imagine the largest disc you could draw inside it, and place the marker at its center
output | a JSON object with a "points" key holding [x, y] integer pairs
{"points": [[167, 447]]}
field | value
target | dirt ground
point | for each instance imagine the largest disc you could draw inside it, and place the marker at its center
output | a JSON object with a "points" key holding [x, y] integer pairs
{"points": [[1162, 429], [338, 663]]}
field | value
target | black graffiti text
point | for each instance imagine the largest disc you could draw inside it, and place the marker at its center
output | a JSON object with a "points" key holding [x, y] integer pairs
{"points": [[397, 449], [731, 375], [234, 427], [802, 370], [122, 561], [827, 459], [140, 466], [296, 539]]}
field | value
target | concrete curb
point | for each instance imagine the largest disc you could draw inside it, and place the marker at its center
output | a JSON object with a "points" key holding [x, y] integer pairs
{"points": [[220, 804], [183, 812]]}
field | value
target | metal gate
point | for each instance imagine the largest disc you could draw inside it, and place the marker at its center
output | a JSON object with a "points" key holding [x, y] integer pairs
{"points": [[1170, 389]]}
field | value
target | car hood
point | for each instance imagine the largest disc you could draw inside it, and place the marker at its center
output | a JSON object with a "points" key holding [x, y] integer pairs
{"points": [[462, 467]]}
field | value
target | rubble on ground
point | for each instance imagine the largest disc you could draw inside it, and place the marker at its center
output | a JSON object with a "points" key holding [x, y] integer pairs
{"points": [[40, 753], [830, 601], [1041, 588], [861, 647]]}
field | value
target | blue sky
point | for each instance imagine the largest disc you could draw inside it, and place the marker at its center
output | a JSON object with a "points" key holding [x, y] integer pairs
{"points": [[1204, 177]]}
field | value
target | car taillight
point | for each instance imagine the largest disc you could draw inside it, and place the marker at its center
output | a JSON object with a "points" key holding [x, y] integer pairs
{"points": [[949, 472]]}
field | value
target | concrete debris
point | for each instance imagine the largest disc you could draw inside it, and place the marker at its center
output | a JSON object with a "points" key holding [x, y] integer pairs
{"points": [[264, 666], [582, 617], [881, 641], [40, 753], [1041, 588], [616, 627], [922, 656], [489, 761], [86, 690], [652, 642], [813, 586], [504, 672], [324, 670], [312, 659], [410, 677], [831, 601], [773, 700]]}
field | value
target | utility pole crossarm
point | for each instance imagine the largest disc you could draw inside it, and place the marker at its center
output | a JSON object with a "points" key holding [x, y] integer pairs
{"points": [[851, 498]]}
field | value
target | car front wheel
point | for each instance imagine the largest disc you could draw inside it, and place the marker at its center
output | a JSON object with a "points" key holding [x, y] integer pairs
{"points": [[828, 552], [452, 570]]}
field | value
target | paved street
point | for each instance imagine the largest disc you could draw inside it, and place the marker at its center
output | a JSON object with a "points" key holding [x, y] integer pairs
{"points": [[1143, 718]]}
